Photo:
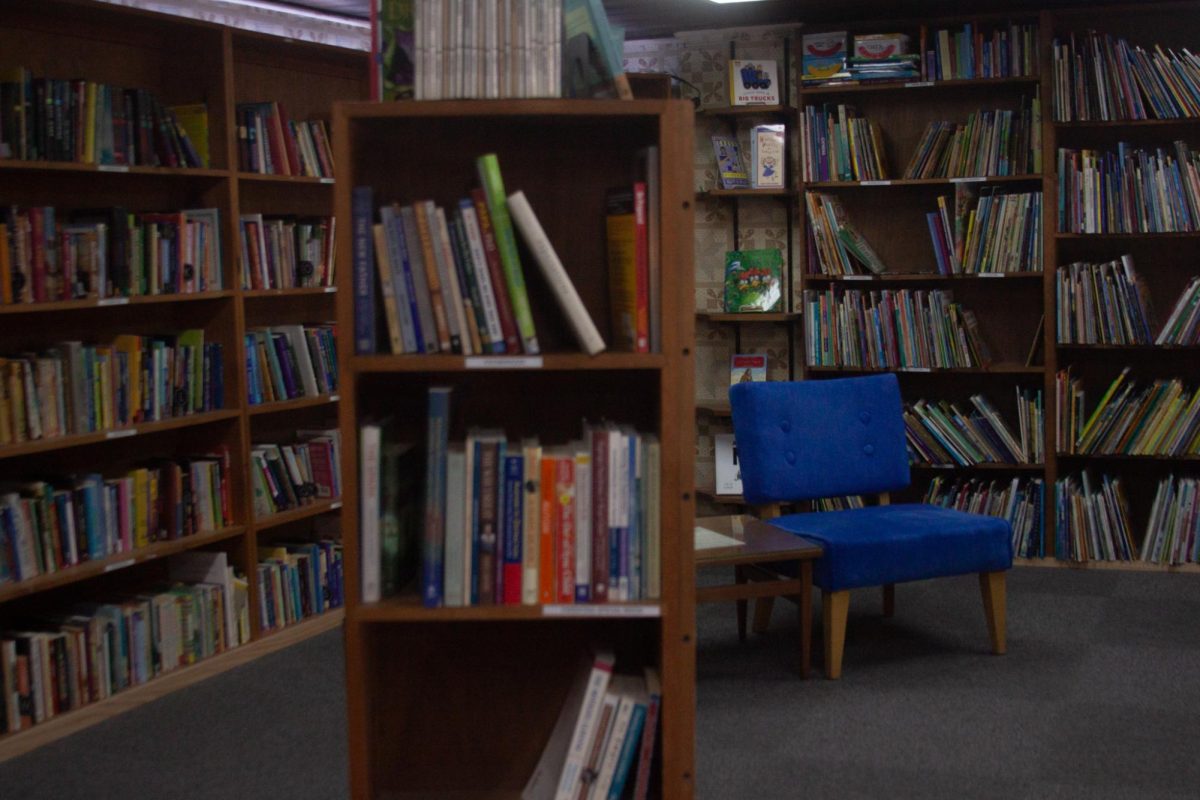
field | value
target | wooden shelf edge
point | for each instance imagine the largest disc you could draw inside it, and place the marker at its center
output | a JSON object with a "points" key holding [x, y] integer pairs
{"points": [[255, 177], [903, 86], [262, 294], [84, 439], [554, 362], [1128, 566], [408, 609], [113, 302], [283, 406], [1002, 369], [723, 499], [746, 111], [112, 169], [931, 277], [1124, 123], [747, 193], [902, 182], [294, 514], [17, 744], [749, 316], [988, 466]]}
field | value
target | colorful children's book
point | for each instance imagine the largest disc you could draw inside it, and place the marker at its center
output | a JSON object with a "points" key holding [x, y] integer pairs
{"points": [[766, 156], [747, 368], [823, 56], [753, 83], [753, 280], [729, 163]]}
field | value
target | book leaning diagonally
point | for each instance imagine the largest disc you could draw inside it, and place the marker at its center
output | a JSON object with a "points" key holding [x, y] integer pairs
{"points": [[554, 273]]}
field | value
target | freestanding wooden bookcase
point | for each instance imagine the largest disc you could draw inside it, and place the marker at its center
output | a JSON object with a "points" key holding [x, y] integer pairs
{"points": [[459, 702]]}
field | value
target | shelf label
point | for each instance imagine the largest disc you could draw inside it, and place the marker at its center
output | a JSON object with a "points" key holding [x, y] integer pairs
{"points": [[326, 180], [858, 277], [600, 610], [504, 362], [917, 369], [113, 301], [918, 84], [874, 183], [972, 179], [333, 398], [990, 274], [112, 168], [334, 506], [121, 434], [129, 562], [330, 289]]}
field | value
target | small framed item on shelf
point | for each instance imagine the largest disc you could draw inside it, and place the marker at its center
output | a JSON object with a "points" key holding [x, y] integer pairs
{"points": [[753, 280], [728, 473], [753, 83], [747, 368], [730, 170], [766, 156], [823, 56]]}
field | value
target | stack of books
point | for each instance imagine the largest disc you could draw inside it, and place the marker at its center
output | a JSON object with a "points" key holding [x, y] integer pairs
{"points": [[890, 329], [270, 143], [297, 580], [49, 255], [1021, 501], [1183, 324], [1174, 524], [48, 119], [1092, 524], [1102, 304], [999, 142], [1007, 52], [1098, 77], [836, 144], [1129, 191], [941, 434], [840, 248], [288, 362], [1162, 419], [897, 67], [286, 476], [987, 232], [73, 388], [286, 252]]}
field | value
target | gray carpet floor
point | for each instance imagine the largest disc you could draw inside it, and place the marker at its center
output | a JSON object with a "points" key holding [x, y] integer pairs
{"points": [[1098, 697]]}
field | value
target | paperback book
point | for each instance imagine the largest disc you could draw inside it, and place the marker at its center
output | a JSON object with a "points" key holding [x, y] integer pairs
{"points": [[753, 83], [747, 368], [767, 156], [730, 169], [753, 280]]}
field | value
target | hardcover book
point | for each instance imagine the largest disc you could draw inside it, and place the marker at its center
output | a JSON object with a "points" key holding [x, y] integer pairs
{"points": [[753, 280], [747, 368], [753, 83], [766, 156], [729, 474], [823, 56], [729, 163]]}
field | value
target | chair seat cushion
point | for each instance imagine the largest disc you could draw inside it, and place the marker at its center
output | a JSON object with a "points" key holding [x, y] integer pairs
{"points": [[896, 543]]}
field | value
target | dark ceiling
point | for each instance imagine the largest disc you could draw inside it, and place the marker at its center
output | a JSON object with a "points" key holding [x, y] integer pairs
{"points": [[648, 18]]}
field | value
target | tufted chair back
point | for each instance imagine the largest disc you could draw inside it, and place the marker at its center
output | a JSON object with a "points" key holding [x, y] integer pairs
{"points": [[819, 438]]}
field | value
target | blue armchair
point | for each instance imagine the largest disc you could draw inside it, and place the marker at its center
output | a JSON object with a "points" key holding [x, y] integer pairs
{"points": [[826, 438]]}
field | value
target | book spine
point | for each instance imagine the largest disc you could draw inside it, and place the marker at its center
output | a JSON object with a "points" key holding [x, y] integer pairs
{"points": [[369, 541], [495, 270], [490, 556], [362, 206], [437, 432], [447, 341], [493, 186], [512, 512]]}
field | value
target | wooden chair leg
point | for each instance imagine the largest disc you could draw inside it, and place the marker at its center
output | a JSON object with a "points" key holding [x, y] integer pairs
{"points": [[889, 600], [739, 577], [835, 608], [992, 586], [762, 613]]}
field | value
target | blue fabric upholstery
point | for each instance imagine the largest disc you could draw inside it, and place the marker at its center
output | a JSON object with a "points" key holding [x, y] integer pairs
{"points": [[897, 543], [824, 438]]}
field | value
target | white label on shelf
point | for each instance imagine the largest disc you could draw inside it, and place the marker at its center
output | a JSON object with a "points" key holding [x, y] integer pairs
{"points": [[330, 289], [334, 506], [333, 398], [917, 369], [504, 362], [326, 180], [858, 277], [112, 168], [600, 610], [874, 183], [990, 274], [121, 434], [129, 562], [113, 301], [918, 84], [972, 179]]}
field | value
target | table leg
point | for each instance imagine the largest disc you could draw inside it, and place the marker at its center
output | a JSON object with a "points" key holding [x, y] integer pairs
{"points": [[739, 576], [805, 617]]}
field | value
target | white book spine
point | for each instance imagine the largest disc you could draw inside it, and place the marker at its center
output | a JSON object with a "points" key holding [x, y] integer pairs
{"points": [[369, 502], [612, 748], [585, 728], [456, 527], [487, 292]]}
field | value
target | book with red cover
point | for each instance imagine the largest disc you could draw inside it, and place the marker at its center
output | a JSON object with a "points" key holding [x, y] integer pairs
{"points": [[508, 322]]}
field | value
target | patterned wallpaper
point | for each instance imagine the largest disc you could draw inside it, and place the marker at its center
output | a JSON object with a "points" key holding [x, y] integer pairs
{"points": [[702, 58]]}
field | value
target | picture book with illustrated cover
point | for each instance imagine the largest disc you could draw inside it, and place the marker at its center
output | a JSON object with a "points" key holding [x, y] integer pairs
{"points": [[766, 156], [753, 83], [729, 163], [753, 280], [747, 368]]}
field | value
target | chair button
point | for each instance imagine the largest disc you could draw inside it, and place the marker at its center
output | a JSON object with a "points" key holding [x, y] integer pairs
{"points": [[865, 417], [790, 457], [785, 426], [869, 449]]}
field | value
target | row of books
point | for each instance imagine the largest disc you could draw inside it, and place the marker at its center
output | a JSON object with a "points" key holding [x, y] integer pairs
{"points": [[1020, 501], [890, 329], [1099, 77], [287, 252], [48, 119], [1161, 419], [1129, 191], [48, 255], [990, 232], [1102, 304], [286, 476], [998, 142], [602, 745], [942, 434], [767, 165], [46, 526], [1183, 323], [298, 580], [837, 144], [969, 52], [288, 362], [271, 143], [1174, 524], [1092, 523], [75, 388], [57, 662], [839, 247]]}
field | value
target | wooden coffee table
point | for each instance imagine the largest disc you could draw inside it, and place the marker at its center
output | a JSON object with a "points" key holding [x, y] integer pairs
{"points": [[761, 545]]}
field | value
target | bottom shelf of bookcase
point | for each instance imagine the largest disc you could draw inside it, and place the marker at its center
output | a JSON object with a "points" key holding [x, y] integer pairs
{"points": [[1128, 566], [16, 744]]}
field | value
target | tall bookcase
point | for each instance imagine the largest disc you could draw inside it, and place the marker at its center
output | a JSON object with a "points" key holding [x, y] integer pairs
{"points": [[180, 61], [459, 702]]}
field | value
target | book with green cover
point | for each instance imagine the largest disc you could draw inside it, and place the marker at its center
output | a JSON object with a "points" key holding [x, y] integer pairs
{"points": [[393, 39], [753, 280], [592, 58], [493, 186]]}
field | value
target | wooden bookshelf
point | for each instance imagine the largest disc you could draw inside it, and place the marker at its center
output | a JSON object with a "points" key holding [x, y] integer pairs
{"points": [[421, 681], [179, 60]]}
